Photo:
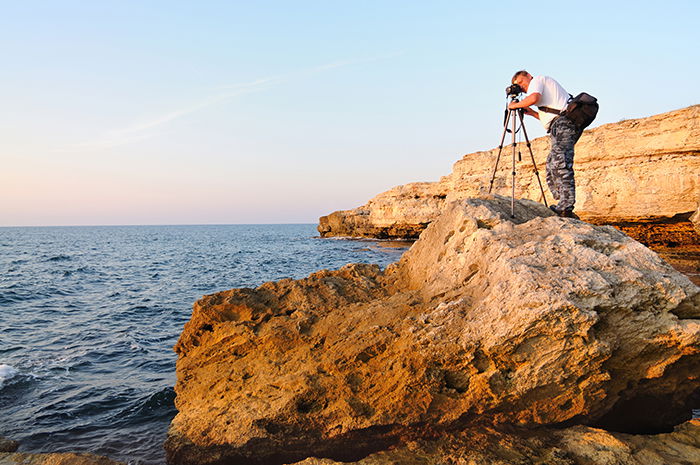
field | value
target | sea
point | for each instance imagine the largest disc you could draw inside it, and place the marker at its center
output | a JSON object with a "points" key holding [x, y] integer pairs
{"points": [[89, 316]]}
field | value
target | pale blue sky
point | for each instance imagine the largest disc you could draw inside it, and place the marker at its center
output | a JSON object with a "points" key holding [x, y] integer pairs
{"points": [[150, 112]]}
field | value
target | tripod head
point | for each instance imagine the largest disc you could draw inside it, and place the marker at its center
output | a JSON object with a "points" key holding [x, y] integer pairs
{"points": [[520, 111]]}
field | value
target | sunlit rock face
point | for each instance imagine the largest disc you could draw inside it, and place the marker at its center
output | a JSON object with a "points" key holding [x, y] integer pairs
{"points": [[487, 322], [637, 170]]}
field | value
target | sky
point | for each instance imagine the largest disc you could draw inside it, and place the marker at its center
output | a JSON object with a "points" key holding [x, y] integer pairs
{"points": [[174, 112]]}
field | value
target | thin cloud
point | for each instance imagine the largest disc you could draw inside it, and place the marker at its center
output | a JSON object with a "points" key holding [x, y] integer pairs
{"points": [[253, 84], [142, 130], [168, 117], [343, 63]]}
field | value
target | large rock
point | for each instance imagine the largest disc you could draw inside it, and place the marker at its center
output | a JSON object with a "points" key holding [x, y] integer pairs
{"points": [[637, 170], [527, 321], [8, 445]]}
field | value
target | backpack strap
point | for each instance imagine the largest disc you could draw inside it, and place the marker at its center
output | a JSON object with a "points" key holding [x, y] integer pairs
{"points": [[550, 110]]}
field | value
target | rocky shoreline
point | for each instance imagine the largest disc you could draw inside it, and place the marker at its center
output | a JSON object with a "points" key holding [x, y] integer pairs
{"points": [[643, 170], [10, 456], [530, 340]]}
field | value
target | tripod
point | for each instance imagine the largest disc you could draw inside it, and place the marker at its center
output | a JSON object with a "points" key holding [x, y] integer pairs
{"points": [[511, 117]]}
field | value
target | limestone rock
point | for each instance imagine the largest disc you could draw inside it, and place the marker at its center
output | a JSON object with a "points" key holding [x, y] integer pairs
{"points": [[8, 445], [578, 445], [637, 170], [528, 321], [592, 446], [18, 458], [402, 212]]}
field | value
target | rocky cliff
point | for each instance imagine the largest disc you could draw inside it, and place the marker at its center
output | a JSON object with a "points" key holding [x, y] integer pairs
{"points": [[637, 170], [490, 328]]}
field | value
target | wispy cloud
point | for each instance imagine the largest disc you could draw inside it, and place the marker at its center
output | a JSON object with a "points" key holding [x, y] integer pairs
{"points": [[144, 129], [207, 102], [343, 63]]}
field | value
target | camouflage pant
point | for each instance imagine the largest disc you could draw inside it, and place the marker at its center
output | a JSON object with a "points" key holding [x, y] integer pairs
{"points": [[560, 162]]}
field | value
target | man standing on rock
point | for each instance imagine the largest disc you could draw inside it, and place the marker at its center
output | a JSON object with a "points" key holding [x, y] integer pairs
{"points": [[550, 98]]}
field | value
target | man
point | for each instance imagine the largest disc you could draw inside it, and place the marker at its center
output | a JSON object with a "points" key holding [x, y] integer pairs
{"points": [[550, 98]]}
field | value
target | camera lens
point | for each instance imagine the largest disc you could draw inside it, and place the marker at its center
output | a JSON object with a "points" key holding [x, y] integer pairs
{"points": [[514, 89]]}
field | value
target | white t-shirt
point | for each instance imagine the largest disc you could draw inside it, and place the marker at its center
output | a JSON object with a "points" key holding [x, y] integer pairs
{"points": [[552, 95]]}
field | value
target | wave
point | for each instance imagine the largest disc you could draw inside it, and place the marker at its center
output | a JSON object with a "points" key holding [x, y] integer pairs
{"points": [[82, 269], [7, 372], [11, 297], [163, 399]]}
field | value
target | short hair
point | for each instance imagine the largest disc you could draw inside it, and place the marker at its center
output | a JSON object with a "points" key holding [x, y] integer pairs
{"points": [[522, 72]]}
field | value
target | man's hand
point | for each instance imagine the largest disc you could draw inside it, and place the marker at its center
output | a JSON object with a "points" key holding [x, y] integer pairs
{"points": [[531, 112], [526, 110]]}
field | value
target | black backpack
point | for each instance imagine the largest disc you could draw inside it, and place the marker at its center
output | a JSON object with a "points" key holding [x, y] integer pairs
{"points": [[581, 110]]}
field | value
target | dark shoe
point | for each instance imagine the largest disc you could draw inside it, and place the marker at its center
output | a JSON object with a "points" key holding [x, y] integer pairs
{"points": [[568, 213]]}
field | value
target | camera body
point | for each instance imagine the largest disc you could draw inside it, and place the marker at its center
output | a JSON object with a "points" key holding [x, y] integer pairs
{"points": [[514, 90]]}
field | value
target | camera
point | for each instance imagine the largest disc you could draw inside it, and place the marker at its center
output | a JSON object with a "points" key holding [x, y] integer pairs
{"points": [[514, 89]]}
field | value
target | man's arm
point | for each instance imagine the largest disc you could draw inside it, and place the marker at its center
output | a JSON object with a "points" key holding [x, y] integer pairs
{"points": [[531, 112], [531, 99]]}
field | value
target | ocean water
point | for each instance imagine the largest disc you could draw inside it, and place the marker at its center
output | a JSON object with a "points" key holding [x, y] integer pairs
{"points": [[89, 315]]}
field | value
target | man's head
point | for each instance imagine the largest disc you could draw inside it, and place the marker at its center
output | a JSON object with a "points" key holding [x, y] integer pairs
{"points": [[522, 78]]}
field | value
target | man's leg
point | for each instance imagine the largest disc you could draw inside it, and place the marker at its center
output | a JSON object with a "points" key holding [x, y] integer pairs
{"points": [[550, 174], [564, 136]]}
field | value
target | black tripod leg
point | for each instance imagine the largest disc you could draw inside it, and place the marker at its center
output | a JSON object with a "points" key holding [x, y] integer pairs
{"points": [[532, 157], [500, 148], [512, 197]]}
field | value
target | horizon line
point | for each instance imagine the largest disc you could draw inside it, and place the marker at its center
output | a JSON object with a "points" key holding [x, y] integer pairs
{"points": [[158, 224]]}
